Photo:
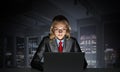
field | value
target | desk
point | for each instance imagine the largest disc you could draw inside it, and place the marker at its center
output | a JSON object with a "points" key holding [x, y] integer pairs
{"points": [[34, 70]]}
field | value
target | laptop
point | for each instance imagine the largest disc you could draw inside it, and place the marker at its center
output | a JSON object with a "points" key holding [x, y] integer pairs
{"points": [[63, 62]]}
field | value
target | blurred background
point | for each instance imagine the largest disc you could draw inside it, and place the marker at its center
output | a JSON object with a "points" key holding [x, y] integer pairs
{"points": [[25, 22]]}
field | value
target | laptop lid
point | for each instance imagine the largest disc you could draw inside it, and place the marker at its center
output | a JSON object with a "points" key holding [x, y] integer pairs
{"points": [[63, 62]]}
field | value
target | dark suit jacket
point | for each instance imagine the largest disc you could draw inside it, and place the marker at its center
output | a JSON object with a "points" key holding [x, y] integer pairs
{"points": [[47, 45]]}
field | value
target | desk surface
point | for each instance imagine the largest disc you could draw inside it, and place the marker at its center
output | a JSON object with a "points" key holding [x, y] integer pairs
{"points": [[34, 70]]}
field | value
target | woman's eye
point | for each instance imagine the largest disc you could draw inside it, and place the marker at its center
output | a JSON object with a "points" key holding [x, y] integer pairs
{"points": [[64, 29], [55, 29]]}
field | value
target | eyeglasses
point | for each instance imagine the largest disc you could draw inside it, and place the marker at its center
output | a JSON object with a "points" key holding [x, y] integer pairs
{"points": [[60, 30]]}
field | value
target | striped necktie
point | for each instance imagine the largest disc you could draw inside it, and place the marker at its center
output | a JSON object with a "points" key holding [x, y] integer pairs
{"points": [[60, 48]]}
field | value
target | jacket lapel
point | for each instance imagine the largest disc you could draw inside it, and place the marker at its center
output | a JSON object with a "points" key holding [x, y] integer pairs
{"points": [[67, 45], [53, 45]]}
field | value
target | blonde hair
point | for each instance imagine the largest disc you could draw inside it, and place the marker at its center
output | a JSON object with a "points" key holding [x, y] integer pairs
{"points": [[55, 21]]}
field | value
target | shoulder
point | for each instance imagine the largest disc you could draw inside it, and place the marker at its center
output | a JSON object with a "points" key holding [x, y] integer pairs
{"points": [[72, 38], [45, 38]]}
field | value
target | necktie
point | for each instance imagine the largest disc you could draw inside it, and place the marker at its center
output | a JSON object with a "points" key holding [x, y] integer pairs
{"points": [[60, 48]]}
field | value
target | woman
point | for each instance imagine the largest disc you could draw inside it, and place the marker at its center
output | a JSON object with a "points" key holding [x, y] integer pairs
{"points": [[59, 36]]}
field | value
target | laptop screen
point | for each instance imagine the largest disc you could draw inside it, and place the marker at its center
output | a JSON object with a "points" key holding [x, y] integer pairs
{"points": [[63, 62]]}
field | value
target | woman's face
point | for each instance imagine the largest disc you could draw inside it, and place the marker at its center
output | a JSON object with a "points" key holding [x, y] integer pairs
{"points": [[60, 30]]}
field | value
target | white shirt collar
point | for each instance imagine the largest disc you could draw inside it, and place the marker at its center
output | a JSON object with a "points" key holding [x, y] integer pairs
{"points": [[59, 41]]}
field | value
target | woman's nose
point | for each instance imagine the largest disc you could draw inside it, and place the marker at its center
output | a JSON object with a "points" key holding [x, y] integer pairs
{"points": [[60, 31]]}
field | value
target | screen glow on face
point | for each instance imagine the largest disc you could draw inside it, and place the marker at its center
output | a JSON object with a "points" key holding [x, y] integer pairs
{"points": [[60, 30]]}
